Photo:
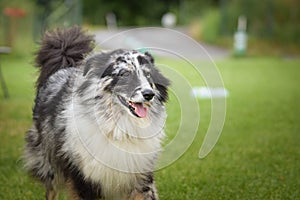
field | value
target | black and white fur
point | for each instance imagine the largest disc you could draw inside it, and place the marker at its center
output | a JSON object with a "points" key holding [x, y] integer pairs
{"points": [[97, 121]]}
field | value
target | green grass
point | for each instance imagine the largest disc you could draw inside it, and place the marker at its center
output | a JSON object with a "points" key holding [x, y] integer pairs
{"points": [[257, 156]]}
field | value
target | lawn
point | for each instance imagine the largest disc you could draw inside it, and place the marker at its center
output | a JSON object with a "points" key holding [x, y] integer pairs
{"points": [[256, 157]]}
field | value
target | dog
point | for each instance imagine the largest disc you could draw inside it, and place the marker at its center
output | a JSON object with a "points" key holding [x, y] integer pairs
{"points": [[98, 119]]}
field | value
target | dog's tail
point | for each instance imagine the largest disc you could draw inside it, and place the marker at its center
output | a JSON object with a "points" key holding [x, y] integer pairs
{"points": [[62, 48]]}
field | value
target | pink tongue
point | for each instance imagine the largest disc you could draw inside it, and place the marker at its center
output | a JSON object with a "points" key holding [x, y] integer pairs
{"points": [[140, 110]]}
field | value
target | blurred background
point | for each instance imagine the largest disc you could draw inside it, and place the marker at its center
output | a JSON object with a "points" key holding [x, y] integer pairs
{"points": [[272, 26], [254, 48]]}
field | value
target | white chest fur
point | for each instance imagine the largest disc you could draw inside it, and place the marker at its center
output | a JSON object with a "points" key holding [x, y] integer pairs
{"points": [[112, 153]]}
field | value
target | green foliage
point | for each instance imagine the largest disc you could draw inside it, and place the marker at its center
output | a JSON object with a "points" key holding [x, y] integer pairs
{"points": [[273, 20], [190, 9], [128, 13], [276, 21], [210, 26]]}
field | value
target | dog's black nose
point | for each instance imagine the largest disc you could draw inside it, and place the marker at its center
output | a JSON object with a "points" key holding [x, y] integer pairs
{"points": [[148, 94]]}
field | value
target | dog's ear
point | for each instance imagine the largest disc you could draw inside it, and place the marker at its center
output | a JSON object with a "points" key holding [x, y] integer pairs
{"points": [[161, 83], [146, 59], [150, 57], [98, 65]]}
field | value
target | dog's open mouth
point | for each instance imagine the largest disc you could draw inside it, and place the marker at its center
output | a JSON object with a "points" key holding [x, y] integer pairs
{"points": [[138, 109]]}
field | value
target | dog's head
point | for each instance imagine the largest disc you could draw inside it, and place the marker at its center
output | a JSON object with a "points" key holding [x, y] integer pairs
{"points": [[131, 78]]}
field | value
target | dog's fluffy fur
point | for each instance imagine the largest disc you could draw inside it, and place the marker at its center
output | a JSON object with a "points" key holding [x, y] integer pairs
{"points": [[97, 121]]}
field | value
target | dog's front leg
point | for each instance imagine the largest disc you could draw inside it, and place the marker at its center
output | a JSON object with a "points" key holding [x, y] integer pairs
{"points": [[151, 194], [145, 190], [51, 195], [51, 188]]}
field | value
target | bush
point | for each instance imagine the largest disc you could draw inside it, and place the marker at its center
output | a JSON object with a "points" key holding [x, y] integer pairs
{"points": [[210, 30], [274, 21]]}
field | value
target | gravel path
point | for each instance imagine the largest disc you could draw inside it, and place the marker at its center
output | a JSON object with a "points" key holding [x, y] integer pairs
{"points": [[159, 41]]}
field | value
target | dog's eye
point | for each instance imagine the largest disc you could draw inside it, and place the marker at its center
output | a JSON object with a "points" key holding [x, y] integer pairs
{"points": [[124, 73], [148, 75]]}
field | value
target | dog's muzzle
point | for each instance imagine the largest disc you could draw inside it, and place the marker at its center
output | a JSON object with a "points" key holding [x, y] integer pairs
{"points": [[139, 109]]}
